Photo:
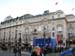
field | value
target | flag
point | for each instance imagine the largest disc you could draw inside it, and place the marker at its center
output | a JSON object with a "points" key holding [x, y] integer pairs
{"points": [[57, 38]]}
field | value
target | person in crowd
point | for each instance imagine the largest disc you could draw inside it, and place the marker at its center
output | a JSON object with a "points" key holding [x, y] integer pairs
{"points": [[37, 51], [44, 51], [30, 47], [15, 51], [73, 51]]}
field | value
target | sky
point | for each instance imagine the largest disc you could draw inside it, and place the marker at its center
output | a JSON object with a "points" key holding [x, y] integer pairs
{"points": [[17, 8]]}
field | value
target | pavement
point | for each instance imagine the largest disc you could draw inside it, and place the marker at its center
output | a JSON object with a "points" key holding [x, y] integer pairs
{"points": [[7, 53], [53, 54]]}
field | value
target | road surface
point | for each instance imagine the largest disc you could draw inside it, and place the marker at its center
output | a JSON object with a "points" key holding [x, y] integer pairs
{"points": [[6, 53]]}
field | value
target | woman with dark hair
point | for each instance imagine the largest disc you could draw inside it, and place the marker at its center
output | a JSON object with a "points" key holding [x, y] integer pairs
{"points": [[36, 52]]}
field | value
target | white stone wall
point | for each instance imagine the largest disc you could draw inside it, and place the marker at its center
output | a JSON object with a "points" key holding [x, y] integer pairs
{"points": [[36, 23]]}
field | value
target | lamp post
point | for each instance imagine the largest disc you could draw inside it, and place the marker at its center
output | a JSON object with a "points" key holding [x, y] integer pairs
{"points": [[34, 34], [4, 38], [68, 40], [4, 42], [19, 44], [26, 39], [44, 32]]}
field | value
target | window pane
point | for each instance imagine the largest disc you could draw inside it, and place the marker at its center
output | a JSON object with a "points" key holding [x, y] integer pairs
{"points": [[59, 28]]}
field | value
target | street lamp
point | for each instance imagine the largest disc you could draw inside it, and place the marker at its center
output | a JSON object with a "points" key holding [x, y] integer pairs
{"points": [[19, 44], [34, 34], [44, 32], [26, 35], [4, 38], [4, 42]]}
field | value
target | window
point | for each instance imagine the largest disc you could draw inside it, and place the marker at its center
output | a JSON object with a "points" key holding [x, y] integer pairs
{"points": [[71, 28], [40, 28], [35, 30], [27, 30], [70, 34], [60, 28], [53, 28], [52, 16], [58, 15]]}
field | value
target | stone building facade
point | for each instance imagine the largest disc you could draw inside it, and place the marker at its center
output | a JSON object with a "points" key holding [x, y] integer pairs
{"points": [[55, 23]]}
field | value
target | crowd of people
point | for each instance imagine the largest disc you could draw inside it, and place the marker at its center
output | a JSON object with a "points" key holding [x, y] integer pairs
{"points": [[42, 51]]}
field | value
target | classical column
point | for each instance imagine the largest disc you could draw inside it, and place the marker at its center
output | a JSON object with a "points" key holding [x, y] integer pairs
{"points": [[15, 43], [9, 43]]}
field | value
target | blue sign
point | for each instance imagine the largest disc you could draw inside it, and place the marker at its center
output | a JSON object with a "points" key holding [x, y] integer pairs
{"points": [[44, 42], [53, 43]]}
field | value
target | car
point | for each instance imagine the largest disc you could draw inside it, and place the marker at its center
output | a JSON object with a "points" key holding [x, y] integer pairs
{"points": [[69, 52]]}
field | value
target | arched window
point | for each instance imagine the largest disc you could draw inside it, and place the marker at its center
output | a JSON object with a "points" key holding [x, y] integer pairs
{"points": [[35, 30], [27, 29], [59, 28]]}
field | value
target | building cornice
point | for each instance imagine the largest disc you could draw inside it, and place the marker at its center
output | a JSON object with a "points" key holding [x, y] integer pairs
{"points": [[21, 18], [31, 16], [35, 22], [71, 22]]}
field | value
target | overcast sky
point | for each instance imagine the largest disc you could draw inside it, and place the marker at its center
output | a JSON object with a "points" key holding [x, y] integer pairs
{"points": [[20, 7]]}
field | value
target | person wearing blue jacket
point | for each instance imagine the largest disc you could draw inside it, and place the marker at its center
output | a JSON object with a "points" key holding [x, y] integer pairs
{"points": [[70, 51]]}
